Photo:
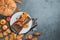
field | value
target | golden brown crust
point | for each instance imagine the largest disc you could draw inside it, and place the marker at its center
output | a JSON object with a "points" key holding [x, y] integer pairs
{"points": [[7, 7], [1, 34]]}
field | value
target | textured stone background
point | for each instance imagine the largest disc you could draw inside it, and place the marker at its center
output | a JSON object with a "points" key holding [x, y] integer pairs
{"points": [[48, 14]]}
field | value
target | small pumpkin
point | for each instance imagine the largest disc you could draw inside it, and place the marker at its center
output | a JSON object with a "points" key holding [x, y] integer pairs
{"points": [[7, 7]]}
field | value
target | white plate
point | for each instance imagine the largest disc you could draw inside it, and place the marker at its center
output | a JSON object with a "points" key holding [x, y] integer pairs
{"points": [[17, 15]]}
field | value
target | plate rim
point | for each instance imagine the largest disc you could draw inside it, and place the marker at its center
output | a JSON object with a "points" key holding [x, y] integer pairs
{"points": [[22, 29]]}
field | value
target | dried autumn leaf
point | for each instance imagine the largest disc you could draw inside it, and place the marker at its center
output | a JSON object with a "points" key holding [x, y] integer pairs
{"points": [[20, 36], [18, 1], [35, 38]]}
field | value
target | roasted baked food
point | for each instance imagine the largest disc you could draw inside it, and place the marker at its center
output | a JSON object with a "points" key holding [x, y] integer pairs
{"points": [[8, 31], [13, 36], [21, 23], [20, 36], [6, 38], [4, 27], [5, 33], [1, 34], [7, 7], [34, 38], [3, 21]]}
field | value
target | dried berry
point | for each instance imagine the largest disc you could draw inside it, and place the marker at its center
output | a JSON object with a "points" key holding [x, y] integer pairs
{"points": [[8, 18]]}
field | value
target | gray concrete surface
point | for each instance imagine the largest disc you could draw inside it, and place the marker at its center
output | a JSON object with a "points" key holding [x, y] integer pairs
{"points": [[48, 14]]}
